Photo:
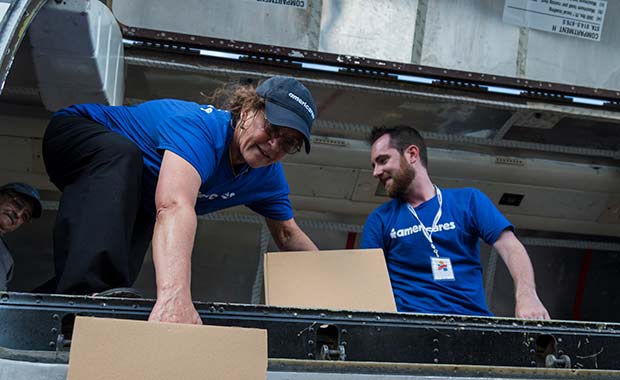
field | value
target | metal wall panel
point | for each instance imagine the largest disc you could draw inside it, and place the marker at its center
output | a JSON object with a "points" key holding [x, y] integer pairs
{"points": [[245, 20], [455, 34], [557, 58], [470, 36], [369, 28]]}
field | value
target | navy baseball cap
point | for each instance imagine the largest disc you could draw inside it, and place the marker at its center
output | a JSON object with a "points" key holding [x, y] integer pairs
{"points": [[288, 103], [28, 191]]}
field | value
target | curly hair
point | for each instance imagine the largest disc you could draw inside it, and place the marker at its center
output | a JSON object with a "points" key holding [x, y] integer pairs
{"points": [[236, 97]]}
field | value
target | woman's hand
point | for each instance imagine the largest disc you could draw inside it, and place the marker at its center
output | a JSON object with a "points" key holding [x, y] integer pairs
{"points": [[175, 308]]}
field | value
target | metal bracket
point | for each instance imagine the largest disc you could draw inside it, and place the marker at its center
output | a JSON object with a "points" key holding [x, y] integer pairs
{"points": [[61, 343], [332, 354], [325, 342], [552, 361]]}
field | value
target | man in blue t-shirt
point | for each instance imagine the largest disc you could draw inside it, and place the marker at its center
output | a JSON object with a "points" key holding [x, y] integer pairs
{"points": [[430, 236], [130, 175]]}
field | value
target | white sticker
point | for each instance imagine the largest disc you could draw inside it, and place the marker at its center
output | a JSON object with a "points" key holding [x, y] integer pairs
{"points": [[442, 269], [575, 18]]}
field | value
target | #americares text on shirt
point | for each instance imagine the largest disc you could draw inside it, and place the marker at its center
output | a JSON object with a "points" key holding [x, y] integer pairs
{"points": [[394, 233]]}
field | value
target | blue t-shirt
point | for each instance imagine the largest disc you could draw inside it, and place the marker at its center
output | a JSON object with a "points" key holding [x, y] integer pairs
{"points": [[467, 215], [201, 135]]}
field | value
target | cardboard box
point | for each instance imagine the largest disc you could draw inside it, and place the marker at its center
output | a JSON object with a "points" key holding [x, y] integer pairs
{"points": [[114, 349], [355, 279]]}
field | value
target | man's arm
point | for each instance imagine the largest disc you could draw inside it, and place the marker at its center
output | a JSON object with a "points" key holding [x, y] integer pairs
{"points": [[173, 240], [288, 236], [515, 257]]}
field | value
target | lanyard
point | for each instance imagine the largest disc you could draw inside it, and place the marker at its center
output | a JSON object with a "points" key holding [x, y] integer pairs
{"points": [[429, 234]]}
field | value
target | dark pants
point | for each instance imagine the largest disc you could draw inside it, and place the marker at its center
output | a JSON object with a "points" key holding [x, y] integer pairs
{"points": [[102, 231]]}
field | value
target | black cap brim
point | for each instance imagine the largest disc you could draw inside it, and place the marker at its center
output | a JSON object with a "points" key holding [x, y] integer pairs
{"points": [[281, 116]]}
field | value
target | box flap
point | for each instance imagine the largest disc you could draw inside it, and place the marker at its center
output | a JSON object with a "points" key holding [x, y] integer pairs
{"points": [[355, 279], [112, 349]]}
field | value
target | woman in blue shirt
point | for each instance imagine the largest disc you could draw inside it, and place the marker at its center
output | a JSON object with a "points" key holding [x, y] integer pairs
{"points": [[129, 174]]}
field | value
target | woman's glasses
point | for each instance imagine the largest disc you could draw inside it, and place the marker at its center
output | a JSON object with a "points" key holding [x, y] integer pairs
{"points": [[288, 144]]}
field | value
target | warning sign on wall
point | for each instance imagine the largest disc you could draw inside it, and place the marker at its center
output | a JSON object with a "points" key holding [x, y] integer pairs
{"points": [[575, 18]]}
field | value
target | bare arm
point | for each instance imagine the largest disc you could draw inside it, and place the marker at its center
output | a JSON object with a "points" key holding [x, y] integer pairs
{"points": [[527, 303], [173, 240], [288, 236]]}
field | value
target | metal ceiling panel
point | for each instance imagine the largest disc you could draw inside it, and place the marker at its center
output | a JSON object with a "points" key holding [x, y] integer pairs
{"points": [[349, 106], [549, 203], [572, 132], [611, 213]]}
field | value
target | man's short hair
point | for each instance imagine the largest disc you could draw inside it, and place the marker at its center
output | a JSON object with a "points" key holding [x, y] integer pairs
{"points": [[401, 137]]}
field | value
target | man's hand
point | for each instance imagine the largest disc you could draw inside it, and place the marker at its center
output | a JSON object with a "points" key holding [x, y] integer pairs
{"points": [[527, 303], [528, 306], [175, 309]]}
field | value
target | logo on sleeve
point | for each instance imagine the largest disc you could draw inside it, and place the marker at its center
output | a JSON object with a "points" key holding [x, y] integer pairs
{"points": [[395, 234], [213, 196]]}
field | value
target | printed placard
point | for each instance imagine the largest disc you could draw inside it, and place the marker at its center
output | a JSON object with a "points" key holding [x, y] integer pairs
{"points": [[575, 18]]}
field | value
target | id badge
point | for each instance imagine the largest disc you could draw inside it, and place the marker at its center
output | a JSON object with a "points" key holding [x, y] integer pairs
{"points": [[442, 269]]}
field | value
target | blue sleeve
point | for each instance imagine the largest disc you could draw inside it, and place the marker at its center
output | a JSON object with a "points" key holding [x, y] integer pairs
{"points": [[68, 111], [372, 236], [192, 140], [273, 201], [277, 208], [486, 218]]}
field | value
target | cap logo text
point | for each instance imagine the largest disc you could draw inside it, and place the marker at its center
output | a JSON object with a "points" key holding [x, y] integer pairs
{"points": [[303, 103]]}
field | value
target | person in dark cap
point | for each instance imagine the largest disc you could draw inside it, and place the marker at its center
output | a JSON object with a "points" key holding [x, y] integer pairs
{"points": [[19, 204], [130, 175]]}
